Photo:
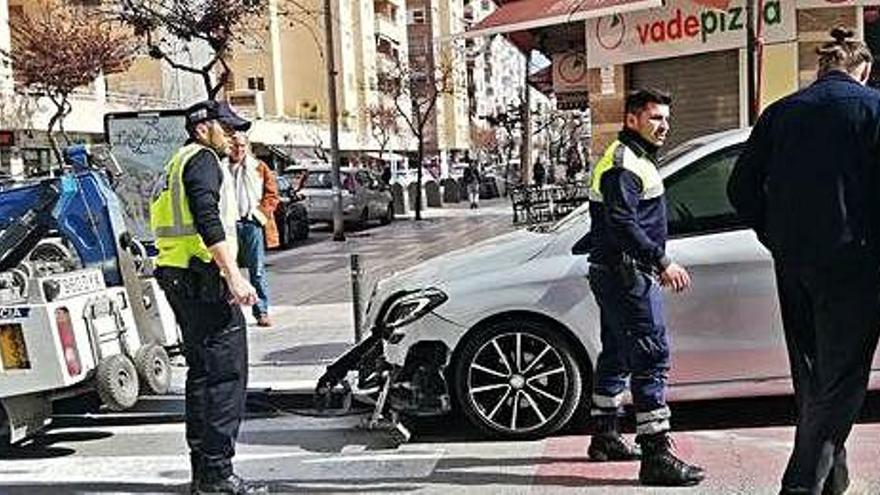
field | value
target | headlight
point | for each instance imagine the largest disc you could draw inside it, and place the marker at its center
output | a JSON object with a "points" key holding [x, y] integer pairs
{"points": [[408, 307]]}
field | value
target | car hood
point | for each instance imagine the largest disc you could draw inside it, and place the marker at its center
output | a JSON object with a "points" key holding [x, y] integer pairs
{"points": [[492, 255]]}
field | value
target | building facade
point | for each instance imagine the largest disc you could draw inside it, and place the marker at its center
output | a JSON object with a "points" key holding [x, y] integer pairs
{"points": [[430, 24]]}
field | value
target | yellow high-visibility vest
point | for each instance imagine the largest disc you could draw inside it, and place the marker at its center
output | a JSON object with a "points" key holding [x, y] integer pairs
{"points": [[619, 155], [171, 218]]}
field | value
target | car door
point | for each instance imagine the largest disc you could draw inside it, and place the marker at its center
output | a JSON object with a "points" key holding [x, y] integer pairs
{"points": [[727, 326]]}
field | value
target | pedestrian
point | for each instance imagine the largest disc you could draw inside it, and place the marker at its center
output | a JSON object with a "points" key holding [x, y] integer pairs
{"points": [[539, 174], [386, 174], [256, 193], [627, 258], [806, 182], [196, 269], [471, 179]]}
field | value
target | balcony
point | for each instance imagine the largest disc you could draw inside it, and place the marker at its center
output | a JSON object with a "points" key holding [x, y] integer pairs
{"points": [[388, 26]]}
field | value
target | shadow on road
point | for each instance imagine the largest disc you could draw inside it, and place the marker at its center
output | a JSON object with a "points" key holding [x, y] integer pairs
{"points": [[79, 488]]}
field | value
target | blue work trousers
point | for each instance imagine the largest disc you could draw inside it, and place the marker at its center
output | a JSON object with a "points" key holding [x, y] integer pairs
{"points": [[252, 255], [634, 346]]}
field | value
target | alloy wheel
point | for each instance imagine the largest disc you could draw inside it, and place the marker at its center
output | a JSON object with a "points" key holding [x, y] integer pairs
{"points": [[518, 382]]}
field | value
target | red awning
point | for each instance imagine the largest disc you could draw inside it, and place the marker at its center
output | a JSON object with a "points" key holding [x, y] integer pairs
{"points": [[522, 15]]}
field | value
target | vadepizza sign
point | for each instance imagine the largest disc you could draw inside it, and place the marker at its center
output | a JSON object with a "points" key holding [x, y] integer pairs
{"points": [[681, 28]]}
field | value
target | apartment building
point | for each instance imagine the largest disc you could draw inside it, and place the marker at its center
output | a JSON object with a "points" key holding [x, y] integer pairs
{"points": [[280, 78], [430, 26]]}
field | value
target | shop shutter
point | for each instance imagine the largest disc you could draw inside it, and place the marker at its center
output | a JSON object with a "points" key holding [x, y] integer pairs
{"points": [[704, 88]]}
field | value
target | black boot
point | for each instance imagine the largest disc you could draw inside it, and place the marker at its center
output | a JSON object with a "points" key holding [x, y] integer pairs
{"points": [[606, 447], [609, 445], [233, 484], [660, 466]]}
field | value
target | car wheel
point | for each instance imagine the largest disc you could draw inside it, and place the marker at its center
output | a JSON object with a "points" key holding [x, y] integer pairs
{"points": [[300, 229], [154, 369], [117, 382], [517, 379], [283, 229], [364, 218], [389, 214]]}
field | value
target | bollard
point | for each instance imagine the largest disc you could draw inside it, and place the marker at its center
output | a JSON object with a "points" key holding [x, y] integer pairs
{"points": [[356, 295]]}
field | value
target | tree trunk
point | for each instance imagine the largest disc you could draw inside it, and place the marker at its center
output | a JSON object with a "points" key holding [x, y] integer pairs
{"points": [[419, 177]]}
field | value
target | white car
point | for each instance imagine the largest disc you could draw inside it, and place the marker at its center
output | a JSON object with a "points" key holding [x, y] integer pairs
{"points": [[507, 330]]}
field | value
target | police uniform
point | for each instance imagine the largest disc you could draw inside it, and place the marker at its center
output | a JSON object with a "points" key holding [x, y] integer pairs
{"points": [[192, 211], [628, 234]]}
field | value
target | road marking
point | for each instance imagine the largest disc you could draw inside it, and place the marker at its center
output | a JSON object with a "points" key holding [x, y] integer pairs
{"points": [[376, 458]]}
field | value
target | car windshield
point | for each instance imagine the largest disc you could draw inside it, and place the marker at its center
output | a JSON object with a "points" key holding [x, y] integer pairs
{"points": [[319, 179]]}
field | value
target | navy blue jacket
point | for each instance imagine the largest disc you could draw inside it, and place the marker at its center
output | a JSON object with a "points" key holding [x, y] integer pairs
{"points": [[807, 182], [624, 223]]}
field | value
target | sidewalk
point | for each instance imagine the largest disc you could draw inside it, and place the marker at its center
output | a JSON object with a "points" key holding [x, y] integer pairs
{"points": [[289, 357]]}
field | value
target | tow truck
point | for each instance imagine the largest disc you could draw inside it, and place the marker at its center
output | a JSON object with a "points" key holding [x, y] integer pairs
{"points": [[79, 308]]}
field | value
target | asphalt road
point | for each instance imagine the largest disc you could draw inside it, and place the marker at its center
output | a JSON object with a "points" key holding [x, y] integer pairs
{"points": [[742, 443]]}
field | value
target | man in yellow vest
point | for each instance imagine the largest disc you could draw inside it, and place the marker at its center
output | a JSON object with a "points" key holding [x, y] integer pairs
{"points": [[628, 263], [192, 217]]}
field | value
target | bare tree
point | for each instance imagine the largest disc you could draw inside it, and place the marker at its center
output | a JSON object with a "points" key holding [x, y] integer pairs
{"points": [[484, 141], [384, 124], [566, 135], [415, 91], [60, 48], [171, 29], [510, 121]]}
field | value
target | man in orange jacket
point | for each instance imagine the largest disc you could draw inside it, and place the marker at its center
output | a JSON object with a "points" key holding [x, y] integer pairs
{"points": [[256, 192]]}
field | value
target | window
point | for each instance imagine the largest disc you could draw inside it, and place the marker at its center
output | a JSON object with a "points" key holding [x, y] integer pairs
{"points": [[257, 83], [696, 197], [417, 16]]}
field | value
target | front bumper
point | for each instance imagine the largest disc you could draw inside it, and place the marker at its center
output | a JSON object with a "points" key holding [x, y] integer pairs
{"points": [[415, 365]]}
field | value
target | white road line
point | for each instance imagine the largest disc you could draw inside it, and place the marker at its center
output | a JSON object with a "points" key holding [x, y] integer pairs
{"points": [[376, 458]]}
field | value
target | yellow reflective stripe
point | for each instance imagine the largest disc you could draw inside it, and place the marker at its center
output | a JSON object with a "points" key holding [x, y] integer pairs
{"points": [[645, 170], [175, 231]]}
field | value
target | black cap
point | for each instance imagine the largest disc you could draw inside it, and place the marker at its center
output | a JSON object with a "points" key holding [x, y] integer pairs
{"points": [[215, 110]]}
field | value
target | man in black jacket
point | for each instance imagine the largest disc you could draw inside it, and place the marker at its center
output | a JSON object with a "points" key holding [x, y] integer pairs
{"points": [[807, 184]]}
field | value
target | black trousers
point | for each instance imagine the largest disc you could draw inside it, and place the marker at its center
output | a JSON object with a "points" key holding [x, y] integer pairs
{"points": [[215, 347], [831, 317]]}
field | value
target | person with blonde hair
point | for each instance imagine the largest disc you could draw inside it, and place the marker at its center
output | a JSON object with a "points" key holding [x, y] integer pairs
{"points": [[807, 183]]}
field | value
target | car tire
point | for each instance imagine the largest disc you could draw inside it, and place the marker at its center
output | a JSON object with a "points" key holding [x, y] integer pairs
{"points": [[388, 217], [117, 382], [154, 369], [299, 228], [517, 398]]}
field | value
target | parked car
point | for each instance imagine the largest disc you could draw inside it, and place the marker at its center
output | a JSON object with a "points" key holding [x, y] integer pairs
{"points": [[509, 328], [291, 217], [364, 197], [405, 176]]}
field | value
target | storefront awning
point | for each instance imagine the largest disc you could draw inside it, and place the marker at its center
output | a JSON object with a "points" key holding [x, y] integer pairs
{"points": [[522, 15]]}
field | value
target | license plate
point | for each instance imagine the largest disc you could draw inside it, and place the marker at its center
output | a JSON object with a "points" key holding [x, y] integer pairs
{"points": [[78, 283], [13, 350]]}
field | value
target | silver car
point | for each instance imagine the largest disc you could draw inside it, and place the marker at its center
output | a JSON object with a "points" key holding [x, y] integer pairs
{"points": [[508, 331], [364, 197]]}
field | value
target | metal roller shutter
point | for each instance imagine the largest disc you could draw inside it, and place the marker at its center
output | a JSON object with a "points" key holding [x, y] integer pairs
{"points": [[704, 88]]}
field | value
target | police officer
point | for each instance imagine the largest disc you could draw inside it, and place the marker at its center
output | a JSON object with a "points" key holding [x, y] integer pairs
{"points": [[807, 183], [627, 255], [196, 268]]}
